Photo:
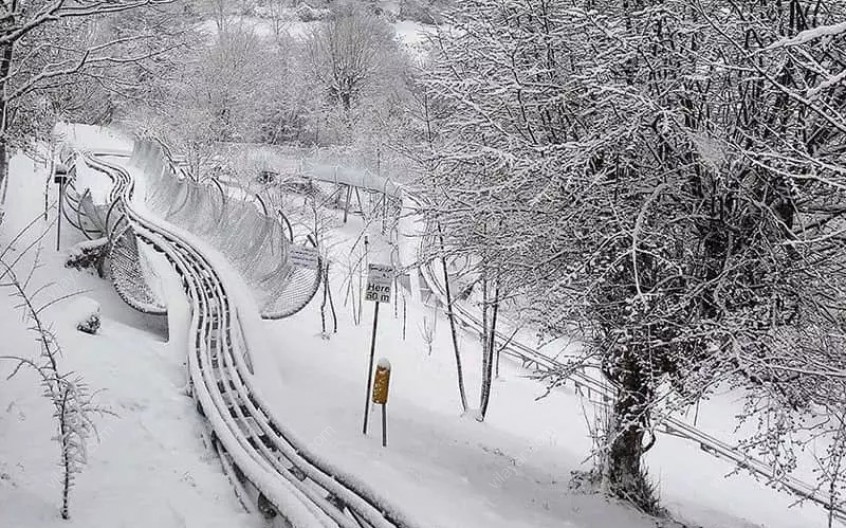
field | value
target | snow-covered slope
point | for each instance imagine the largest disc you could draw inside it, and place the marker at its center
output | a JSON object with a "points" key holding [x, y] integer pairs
{"points": [[150, 466], [512, 470]]}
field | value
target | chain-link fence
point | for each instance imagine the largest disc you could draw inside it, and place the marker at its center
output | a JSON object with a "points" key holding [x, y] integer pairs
{"points": [[125, 269], [253, 242]]}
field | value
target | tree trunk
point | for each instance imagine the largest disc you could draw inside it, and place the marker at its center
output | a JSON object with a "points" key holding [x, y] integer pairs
{"points": [[6, 53], [4, 167], [325, 272], [452, 329], [489, 344], [486, 380], [623, 474]]}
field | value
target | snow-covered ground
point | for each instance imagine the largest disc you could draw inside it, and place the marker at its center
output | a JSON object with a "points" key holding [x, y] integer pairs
{"points": [[516, 465], [151, 467]]}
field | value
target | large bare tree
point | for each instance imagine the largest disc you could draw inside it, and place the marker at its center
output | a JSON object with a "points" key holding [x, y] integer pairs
{"points": [[667, 175], [346, 52]]}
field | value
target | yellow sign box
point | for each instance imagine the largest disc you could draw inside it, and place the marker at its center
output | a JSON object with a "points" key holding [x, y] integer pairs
{"points": [[380, 382]]}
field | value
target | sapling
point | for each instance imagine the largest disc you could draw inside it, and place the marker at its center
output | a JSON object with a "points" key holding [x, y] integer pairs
{"points": [[71, 397]]}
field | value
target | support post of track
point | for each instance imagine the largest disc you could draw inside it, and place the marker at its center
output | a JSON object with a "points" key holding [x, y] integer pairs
{"points": [[347, 203]]}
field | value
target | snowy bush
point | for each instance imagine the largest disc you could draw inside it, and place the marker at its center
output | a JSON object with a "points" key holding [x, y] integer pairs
{"points": [[90, 254], [71, 398], [88, 319]]}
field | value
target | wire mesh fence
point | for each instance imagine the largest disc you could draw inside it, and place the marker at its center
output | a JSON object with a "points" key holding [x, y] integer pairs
{"points": [[128, 275], [125, 262], [227, 218]]}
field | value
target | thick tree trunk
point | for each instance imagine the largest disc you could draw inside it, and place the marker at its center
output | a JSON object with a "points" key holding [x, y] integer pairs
{"points": [[622, 473]]}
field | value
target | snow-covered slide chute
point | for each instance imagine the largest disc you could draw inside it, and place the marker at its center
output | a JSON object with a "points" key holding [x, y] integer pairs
{"points": [[273, 471], [254, 240], [126, 267]]}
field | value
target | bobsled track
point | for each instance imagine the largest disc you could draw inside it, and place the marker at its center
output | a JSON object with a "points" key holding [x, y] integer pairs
{"points": [[273, 473]]}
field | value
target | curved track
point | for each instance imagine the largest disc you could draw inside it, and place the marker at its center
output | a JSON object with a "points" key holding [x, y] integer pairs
{"points": [[273, 473], [102, 227], [592, 384]]}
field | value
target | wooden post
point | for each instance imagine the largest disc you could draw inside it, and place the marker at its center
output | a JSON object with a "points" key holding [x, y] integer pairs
{"points": [[347, 204]]}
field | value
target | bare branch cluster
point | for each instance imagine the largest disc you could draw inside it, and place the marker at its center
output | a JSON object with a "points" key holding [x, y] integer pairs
{"points": [[667, 175], [73, 403]]}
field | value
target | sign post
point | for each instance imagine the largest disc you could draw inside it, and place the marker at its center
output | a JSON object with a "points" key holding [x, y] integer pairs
{"points": [[379, 281], [60, 178], [380, 393]]}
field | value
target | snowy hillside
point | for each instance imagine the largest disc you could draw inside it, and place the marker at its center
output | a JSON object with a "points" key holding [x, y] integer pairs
{"points": [[423, 264]]}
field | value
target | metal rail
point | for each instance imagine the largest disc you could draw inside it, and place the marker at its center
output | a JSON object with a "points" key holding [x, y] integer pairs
{"points": [[272, 472]]}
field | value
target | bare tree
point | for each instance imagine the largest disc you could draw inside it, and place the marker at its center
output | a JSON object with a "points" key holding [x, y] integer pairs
{"points": [[669, 178], [345, 53], [216, 96], [42, 44]]}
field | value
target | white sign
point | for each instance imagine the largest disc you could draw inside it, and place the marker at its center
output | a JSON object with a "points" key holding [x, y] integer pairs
{"points": [[303, 257], [380, 279]]}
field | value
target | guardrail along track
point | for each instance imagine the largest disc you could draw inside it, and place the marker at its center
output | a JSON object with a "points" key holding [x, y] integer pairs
{"points": [[273, 473], [112, 230]]}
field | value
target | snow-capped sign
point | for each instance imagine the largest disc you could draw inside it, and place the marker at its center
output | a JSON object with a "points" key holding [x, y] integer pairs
{"points": [[303, 257], [380, 278]]}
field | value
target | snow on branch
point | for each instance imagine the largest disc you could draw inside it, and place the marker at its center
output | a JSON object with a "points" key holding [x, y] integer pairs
{"points": [[809, 35], [72, 399]]}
